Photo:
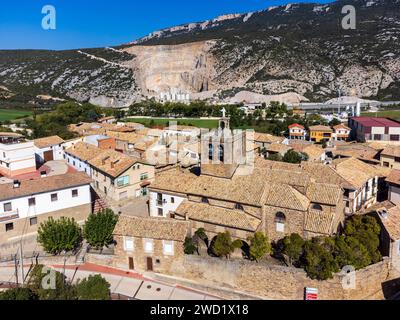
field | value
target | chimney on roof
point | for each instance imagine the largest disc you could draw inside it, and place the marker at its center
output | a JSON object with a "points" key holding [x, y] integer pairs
{"points": [[384, 214], [16, 184], [103, 161]]}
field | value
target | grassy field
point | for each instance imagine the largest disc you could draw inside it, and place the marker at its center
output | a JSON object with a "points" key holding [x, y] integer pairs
{"points": [[394, 114], [200, 123], [11, 114]]}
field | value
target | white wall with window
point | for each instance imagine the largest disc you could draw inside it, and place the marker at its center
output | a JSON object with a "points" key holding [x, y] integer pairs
{"points": [[46, 202], [164, 201], [129, 244], [78, 164], [148, 245], [168, 248], [280, 220]]}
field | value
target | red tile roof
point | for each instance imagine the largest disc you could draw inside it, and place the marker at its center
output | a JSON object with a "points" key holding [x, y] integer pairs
{"points": [[376, 122], [296, 125]]}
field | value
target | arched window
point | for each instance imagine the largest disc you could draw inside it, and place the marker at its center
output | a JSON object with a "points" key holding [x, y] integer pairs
{"points": [[204, 200], [316, 206], [210, 151], [221, 153], [238, 206], [280, 217], [280, 220]]}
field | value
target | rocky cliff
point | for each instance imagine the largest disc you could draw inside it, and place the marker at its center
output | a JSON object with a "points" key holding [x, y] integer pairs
{"points": [[296, 48]]}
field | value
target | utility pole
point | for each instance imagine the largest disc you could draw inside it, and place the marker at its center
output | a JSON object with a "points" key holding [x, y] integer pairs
{"points": [[21, 259], [16, 268]]}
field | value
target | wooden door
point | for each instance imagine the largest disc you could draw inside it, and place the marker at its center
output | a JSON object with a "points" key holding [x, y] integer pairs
{"points": [[131, 264], [48, 155], [149, 264]]}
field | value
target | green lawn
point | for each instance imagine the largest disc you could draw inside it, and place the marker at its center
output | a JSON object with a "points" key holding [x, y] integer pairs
{"points": [[200, 123], [11, 114], [394, 114]]}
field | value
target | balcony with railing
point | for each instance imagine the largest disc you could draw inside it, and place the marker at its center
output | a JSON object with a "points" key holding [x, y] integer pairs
{"points": [[9, 215]]}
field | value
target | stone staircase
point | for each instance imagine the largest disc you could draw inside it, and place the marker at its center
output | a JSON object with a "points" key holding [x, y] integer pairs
{"points": [[80, 257], [99, 204]]}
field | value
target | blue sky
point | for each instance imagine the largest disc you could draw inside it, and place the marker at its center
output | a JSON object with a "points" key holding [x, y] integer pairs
{"points": [[97, 23]]}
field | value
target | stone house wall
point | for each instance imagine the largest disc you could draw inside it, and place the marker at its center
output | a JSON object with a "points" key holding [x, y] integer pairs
{"points": [[278, 282], [161, 262]]}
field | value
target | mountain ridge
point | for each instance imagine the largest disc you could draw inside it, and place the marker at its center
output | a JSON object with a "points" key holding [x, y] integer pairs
{"points": [[298, 48]]}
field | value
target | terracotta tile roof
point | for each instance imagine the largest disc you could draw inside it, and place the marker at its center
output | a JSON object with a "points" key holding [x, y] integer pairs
{"points": [[112, 162], [314, 152], [218, 215], [296, 125], [218, 170], [152, 228], [393, 151], [285, 196], [324, 193], [106, 118], [84, 151], [390, 221], [46, 184], [278, 147], [341, 126], [319, 222], [357, 150], [321, 128], [129, 137], [290, 177], [246, 189], [11, 134], [267, 138], [48, 142], [354, 171], [174, 180], [394, 177]]}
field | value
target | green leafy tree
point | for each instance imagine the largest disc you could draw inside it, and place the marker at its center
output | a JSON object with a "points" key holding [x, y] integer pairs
{"points": [[292, 157], [98, 229], [57, 236], [222, 245], [293, 247], [18, 294], [259, 246], [62, 290], [349, 251], [318, 262], [275, 157], [189, 246], [95, 287], [334, 122], [366, 230]]}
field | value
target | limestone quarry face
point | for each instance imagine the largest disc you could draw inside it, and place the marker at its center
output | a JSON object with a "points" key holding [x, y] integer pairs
{"points": [[292, 49], [186, 67]]}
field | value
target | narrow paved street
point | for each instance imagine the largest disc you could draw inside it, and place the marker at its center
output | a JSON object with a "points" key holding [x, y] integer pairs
{"points": [[130, 285]]}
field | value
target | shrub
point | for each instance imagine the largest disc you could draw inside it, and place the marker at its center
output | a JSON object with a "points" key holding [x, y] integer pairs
{"points": [[259, 246], [349, 251], [61, 290], [18, 294], [189, 246], [292, 246], [95, 287], [318, 261], [292, 157], [98, 229], [366, 230], [222, 245], [57, 236]]}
